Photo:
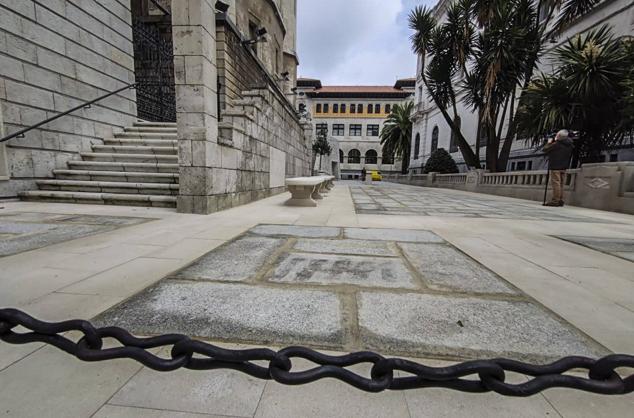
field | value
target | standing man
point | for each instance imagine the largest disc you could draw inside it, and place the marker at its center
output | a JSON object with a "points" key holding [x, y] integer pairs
{"points": [[559, 152], [363, 175]]}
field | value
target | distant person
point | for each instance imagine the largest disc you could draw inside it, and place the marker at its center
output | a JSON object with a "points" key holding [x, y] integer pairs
{"points": [[363, 174], [559, 153]]}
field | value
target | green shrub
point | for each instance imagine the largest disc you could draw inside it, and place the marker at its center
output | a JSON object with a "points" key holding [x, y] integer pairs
{"points": [[440, 162]]}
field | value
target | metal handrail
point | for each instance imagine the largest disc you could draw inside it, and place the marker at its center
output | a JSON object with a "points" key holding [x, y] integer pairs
{"points": [[161, 8], [20, 134]]}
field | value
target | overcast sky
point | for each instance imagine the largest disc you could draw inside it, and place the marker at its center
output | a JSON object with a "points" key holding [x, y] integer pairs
{"points": [[355, 42]]}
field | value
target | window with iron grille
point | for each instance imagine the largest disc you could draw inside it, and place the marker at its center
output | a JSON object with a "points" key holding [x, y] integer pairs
{"points": [[356, 130], [373, 130], [338, 129]]}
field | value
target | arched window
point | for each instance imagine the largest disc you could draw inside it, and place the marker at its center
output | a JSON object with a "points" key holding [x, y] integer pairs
{"points": [[434, 139], [341, 156], [417, 146], [388, 158], [354, 156], [371, 157]]}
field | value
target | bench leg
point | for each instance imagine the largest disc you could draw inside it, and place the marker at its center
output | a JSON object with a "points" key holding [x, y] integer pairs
{"points": [[317, 193], [323, 188], [301, 197]]}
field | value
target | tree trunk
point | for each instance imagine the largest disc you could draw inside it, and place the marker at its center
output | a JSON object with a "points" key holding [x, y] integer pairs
{"points": [[467, 153]]}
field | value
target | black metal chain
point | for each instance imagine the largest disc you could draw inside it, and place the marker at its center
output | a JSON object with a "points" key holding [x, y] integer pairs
{"points": [[197, 355]]}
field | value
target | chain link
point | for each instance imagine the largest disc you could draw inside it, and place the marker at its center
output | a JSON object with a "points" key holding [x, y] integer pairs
{"points": [[603, 377]]}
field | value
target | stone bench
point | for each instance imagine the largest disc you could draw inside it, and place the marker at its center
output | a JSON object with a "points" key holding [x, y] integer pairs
{"points": [[305, 190]]}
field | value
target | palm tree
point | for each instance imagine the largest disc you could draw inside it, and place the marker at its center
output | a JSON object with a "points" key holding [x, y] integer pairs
{"points": [[396, 135], [487, 50], [591, 92]]}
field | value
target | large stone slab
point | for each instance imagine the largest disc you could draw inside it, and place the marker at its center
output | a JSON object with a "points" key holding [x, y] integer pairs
{"points": [[328, 269], [235, 262], [233, 312], [346, 246], [608, 245], [296, 231], [420, 324], [402, 235], [36, 236], [444, 267]]}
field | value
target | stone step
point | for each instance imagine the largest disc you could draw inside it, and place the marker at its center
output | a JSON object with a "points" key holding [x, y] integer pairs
{"points": [[108, 187], [151, 129], [142, 142], [124, 166], [146, 135], [145, 124], [116, 176], [135, 149], [100, 198], [129, 158]]}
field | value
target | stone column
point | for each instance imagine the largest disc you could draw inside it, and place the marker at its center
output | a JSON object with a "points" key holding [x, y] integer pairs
{"points": [[194, 34]]}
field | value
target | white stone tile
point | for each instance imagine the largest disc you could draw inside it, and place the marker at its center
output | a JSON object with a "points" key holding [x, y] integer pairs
{"points": [[23, 287], [570, 403], [103, 259], [439, 403], [126, 279], [50, 383], [222, 392], [63, 306], [187, 249], [329, 398], [113, 411]]}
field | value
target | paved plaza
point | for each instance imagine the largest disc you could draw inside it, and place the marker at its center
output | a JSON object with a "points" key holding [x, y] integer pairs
{"points": [[507, 278], [395, 199]]}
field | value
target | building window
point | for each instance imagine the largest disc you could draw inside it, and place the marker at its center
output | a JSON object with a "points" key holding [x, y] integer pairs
{"points": [[377, 109], [338, 129], [335, 108], [373, 130], [434, 139], [614, 158], [341, 156], [388, 109], [513, 166], [521, 166], [353, 108], [370, 108], [530, 165], [326, 107], [318, 108], [453, 143], [343, 108], [354, 157], [417, 146], [371, 157], [387, 157], [321, 128], [356, 130], [359, 108]]}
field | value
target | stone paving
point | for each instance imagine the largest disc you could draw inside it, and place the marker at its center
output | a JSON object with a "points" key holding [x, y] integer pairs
{"points": [[394, 199], [397, 291], [519, 290], [623, 248], [21, 232]]}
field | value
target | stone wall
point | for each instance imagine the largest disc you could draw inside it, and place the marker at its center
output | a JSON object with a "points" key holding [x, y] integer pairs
{"points": [[238, 69], [54, 55], [603, 186], [262, 142]]}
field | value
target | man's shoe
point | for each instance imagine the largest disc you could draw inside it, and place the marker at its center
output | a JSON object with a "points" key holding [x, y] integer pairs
{"points": [[561, 203], [552, 204]]}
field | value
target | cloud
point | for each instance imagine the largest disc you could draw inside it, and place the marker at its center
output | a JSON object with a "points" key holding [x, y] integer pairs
{"points": [[355, 41]]}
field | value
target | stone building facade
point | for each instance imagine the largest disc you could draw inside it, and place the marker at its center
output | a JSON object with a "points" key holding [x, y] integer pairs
{"points": [[239, 135], [54, 55], [354, 115], [431, 131]]}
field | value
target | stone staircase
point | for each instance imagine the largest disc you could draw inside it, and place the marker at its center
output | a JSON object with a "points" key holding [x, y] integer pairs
{"points": [[138, 167]]}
